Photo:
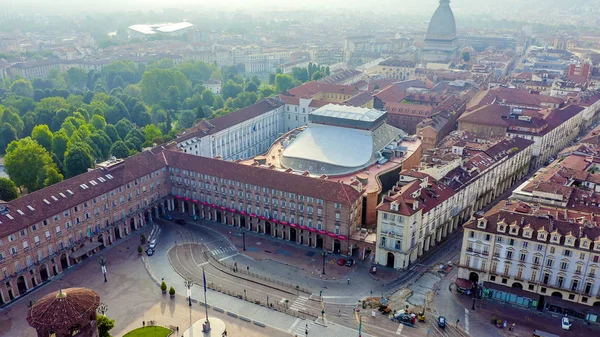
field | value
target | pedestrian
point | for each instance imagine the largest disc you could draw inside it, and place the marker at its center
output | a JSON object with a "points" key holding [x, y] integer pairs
{"points": [[143, 323], [505, 324], [348, 281], [513, 326], [339, 312]]}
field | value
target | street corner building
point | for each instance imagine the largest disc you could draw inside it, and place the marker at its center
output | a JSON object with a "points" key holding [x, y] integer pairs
{"points": [[430, 202]]}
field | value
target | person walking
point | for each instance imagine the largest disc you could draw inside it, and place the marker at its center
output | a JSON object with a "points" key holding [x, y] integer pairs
{"points": [[348, 281]]}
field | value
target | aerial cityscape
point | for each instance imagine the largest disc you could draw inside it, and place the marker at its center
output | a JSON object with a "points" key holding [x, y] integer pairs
{"points": [[258, 168]]}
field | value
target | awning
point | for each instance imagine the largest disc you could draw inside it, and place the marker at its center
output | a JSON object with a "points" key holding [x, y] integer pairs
{"points": [[85, 249]]}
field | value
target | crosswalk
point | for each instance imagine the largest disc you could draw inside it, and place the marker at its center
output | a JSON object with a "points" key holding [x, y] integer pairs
{"points": [[299, 303], [223, 251], [301, 328]]}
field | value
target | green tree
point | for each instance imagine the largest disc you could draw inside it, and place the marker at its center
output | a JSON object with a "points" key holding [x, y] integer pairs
{"points": [[218, 103], [283, 82], [60, 142], [8, 189], [123, 127], [151, 132], [156, 82], [26, 161], [100, 142], [11, 117], [7, 135], [78, 159], [22, 87], [52, 176], [173, 99], [230, 89], [267, 91], [317, 76], [112, 133], [251, 87], [119, 149], [144, 119], [98, 122], [300, 74], [208, 98], [186, 119], [105, 324], [43, 135], [76, 78], [136, 137]]}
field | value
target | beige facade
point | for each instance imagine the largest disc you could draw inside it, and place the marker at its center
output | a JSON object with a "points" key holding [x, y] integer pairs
{"points": [[543, 260]]}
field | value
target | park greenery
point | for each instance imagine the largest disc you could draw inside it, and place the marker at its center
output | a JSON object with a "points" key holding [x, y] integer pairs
{"points": [[149, 331], [60, 126]]}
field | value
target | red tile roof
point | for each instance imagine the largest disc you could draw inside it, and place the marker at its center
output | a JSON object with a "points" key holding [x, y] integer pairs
{"points": [[397, 91], [324, 189], [59, 197], [215, 125], [312, 88]]}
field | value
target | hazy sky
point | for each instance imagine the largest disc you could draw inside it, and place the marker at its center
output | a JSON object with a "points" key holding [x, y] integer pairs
{"points": [[58, 6]]}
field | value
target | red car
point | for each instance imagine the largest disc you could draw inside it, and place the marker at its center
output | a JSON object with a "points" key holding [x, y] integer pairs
{"points": [[341, 262]]}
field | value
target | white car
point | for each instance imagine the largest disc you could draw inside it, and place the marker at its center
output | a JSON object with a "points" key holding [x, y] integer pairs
{"points": [[566, 324], [152, 244]]}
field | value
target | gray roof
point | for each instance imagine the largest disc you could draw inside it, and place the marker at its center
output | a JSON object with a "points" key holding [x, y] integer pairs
{"points": [[349, 112], [442, 25]]}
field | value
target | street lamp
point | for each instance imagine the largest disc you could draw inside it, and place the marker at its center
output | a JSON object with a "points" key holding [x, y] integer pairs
{"points": [[324, 255], [188, 284], [102, 309], [244, 238], [102, 263]]}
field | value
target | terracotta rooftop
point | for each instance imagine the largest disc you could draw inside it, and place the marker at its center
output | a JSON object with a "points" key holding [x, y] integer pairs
{"points": [[42, 204], [516, 97], [215, 125], [271, 178], [558, 221], [397, 91], [312, 88]]}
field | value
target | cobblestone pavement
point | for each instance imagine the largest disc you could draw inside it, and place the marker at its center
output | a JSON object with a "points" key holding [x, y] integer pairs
{"points": [[130, 294]]}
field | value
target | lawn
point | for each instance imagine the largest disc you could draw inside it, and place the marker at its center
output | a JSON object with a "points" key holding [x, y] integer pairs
{"points": [[149, 331]]}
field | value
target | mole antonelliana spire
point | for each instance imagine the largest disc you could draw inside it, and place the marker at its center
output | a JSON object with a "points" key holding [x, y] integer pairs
{"points": [[441, 44]]}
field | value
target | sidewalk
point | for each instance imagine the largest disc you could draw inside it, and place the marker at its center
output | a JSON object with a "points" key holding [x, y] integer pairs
{"points": [[526, 320], [263, 247]]}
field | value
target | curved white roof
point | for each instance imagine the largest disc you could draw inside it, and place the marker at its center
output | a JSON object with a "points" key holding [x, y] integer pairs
{"points": [[332, 145]]}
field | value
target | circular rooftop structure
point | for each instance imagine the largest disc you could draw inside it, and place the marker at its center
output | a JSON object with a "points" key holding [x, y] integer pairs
{"points": [[339, 140], [442, 25], [64, 310]]}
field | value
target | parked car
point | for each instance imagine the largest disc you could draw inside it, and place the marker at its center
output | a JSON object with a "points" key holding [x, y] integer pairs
{"points": [[565, 323], [341, 262], [442, 322], [180, 221], [349, 263], [168, 217], [150, 251], [152, 244]]}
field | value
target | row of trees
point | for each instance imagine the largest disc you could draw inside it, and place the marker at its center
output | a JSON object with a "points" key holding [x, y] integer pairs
{"points": [[58, 127]]}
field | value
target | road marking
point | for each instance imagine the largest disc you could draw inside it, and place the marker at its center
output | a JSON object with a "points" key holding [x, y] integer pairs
{"points": [[299, 303], [332, 297], [301, 329], [229, 256], [294, 325], [467, 321], [399, 331], [203, 263]]}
